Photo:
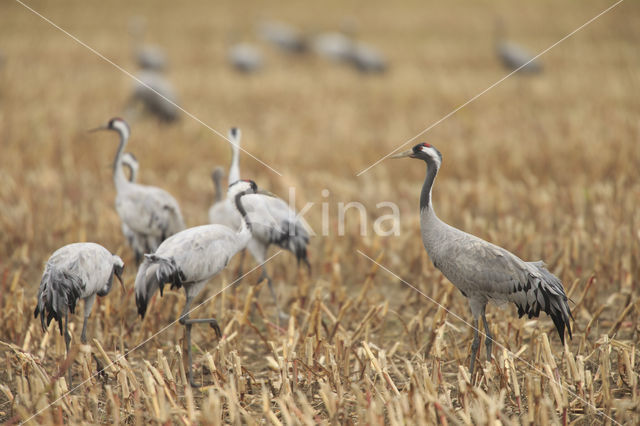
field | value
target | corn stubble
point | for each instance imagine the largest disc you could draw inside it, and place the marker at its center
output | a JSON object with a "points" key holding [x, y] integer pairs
{"points": [[545, 167]]}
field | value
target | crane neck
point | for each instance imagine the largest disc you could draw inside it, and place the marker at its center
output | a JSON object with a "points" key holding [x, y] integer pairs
{"points": [[238, 203], [119, 177], [234, 169], [217, 185], [425, 194]]}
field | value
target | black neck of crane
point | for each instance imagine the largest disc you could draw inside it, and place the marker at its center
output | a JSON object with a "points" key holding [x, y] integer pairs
{"points": [[425, 195], [240, 207]]}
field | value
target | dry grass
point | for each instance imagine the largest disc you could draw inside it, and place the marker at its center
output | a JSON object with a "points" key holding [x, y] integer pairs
{"points": [[545, 166]]}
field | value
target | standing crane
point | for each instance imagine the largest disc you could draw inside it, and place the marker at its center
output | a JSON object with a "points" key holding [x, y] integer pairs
{"points": [[75, 271], [482, 271], [150, 212], [216, 176], [223, 212], [512, 55], [273, 221], [189, 259], [136, 242]]}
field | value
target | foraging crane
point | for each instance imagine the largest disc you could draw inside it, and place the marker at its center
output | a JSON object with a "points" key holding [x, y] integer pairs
{"points": [[150, 212], [273, 221], [335, 46], [245, 57], [514, 56], [368, 59], [136, 241], [156, 95], [482, 271], [75, 271], [189, 259], [283, 36]]}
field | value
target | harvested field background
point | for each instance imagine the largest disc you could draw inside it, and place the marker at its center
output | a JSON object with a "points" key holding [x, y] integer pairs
{"points": [[547, 166]]}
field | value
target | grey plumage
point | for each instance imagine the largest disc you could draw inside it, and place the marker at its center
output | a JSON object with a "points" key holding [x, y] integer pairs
{"points": [[155, 94], [216, 176], [514, 56], [149, 212], [245, 57], [272, 221], [189, 259], [482, 271], [283, 36], [75, 271]]}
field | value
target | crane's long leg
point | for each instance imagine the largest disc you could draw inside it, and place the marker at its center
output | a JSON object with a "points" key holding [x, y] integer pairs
{"points": [[239, 271], [474, 345], [489, 337], [188, 323], [265, 276], [83, 336], [67, 340]]}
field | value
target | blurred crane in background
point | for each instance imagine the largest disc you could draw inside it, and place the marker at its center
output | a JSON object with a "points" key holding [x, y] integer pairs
{"points": [[513, 56], [282, 36]]}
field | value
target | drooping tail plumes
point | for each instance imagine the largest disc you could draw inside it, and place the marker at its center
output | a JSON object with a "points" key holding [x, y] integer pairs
{"points": [[59, 293], [545, 293], [153, 274], [295, 238]]}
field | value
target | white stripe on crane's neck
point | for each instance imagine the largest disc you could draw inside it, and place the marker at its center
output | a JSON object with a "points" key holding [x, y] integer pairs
{"points": [[433, 160], [118, 173], [234, 170]]}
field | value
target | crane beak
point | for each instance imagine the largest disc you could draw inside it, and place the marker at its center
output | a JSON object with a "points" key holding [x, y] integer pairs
{"points": [[98, 129], [119, 277], [267, 193], [403, 154]]}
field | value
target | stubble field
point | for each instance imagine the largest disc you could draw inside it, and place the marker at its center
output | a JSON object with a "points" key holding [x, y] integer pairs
{"points": [[547, 166]]}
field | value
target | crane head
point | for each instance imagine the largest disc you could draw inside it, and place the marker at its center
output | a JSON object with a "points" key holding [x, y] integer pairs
{"points": [[242, 186], [115, 124], [118, 268], [422, 151]]}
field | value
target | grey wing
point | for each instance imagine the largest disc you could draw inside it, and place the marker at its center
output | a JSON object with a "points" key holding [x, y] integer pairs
{"points": [[149, 211], [201, 252], [482, 269], [274, 222]]}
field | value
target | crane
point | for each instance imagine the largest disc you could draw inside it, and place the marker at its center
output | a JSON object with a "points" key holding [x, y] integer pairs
{"points": [[148, 56], [155, 94], [245, 57], [136, 241], [513, 56], [273, 221], [216, 176], [483, 271], [190, 258], [150, 212], [283, 36], [75, 271], [223, 212]]}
